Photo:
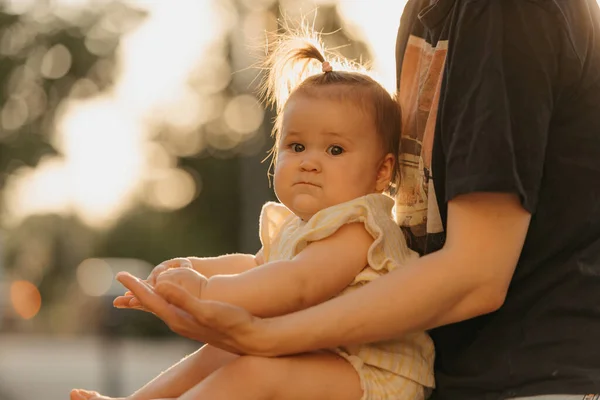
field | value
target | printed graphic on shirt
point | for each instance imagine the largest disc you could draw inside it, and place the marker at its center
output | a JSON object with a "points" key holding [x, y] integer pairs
{"points": [[420, 84]]}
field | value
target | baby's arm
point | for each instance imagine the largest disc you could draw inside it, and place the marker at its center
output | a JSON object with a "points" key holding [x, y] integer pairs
{"points": [[320, 271], [229, 264]]}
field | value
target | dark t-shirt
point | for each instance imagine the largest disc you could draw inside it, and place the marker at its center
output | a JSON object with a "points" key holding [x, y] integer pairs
{"points": [[504, 96]]}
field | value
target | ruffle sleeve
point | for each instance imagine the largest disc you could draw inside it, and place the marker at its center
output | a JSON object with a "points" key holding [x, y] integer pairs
{"points": [[272, 218], [389, 248]]}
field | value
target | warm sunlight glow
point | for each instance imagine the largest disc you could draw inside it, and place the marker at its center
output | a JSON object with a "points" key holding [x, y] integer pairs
{"points": [[376, 23], [25, 298], [172, 72], [102, 145], [103, 139], [96, 177], [160, 56], [43, 190]]}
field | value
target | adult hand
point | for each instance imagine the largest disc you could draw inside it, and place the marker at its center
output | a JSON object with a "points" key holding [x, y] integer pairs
{"points": [[128, 300], [222, 325]]}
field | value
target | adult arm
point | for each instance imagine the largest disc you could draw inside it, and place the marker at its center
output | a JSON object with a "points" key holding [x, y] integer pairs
{"points": [[468, 277], [494, 118]]}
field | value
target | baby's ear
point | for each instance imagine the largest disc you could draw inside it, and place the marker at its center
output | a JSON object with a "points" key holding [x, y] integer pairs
{"points": [[384, 173]]}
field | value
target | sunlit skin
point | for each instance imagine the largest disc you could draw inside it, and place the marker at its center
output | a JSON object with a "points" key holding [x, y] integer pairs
{"points": [[327, 158], [329, 153]]}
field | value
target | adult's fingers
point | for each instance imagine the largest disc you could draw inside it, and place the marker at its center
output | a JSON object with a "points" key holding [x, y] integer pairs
{"points": [[205, 328], [176, 319], [222, 317], [127, 302], [148, 299], [179, 297], [122, 301]]}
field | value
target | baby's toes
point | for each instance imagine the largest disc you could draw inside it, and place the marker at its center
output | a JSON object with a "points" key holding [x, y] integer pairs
{"points": [[82, 394]]}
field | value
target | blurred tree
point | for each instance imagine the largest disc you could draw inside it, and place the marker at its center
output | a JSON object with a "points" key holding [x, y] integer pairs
{"points": [[43, 60], [46, 250]]}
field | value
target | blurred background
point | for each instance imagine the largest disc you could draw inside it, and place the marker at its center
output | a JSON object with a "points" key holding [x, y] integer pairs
{"points": [[130, 133]]}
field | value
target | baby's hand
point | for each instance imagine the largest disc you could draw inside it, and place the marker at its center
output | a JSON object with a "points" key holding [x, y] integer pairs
{"points": [[191, 280], [129, 301], [180, 262]]}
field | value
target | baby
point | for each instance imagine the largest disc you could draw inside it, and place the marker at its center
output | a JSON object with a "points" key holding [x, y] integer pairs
{"points": [[336, 145]]}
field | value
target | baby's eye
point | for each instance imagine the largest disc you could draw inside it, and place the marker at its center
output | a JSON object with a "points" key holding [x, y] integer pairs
{"points": [[335, 150], [297, 147]]}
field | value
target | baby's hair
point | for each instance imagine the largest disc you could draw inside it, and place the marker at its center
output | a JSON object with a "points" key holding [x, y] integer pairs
{"points": [[295, 64]]}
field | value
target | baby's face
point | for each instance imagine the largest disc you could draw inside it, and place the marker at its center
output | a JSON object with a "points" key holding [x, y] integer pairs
{"points": [[329, 153]]}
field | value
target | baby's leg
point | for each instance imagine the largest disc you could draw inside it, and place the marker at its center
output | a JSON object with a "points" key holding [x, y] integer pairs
{"points": [[175, 381], [85, 395], [311, 376]]}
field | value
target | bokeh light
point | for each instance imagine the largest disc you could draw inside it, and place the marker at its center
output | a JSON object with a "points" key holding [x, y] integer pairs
{"points": [[25, 299], [172, 73], [151, 107], [94, 276], [14, 113], [173, 189], [56, 62], [243, 114]]}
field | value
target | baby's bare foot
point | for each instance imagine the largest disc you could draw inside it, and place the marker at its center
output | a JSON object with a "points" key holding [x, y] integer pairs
{"points": [[81, 394]]}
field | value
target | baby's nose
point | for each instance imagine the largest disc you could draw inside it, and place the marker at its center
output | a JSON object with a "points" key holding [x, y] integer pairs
{"points": [[310, 163]]}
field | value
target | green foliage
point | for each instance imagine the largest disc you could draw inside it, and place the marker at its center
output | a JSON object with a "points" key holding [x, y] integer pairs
{"points": [[24, 89], [46, 249]]}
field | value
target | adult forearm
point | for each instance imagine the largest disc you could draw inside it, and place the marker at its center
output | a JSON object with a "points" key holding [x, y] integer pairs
{"points": [[428, 293]]}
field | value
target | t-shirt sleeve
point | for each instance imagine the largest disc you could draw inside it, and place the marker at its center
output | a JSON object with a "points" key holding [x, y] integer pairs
{"points": [[497, 98]]}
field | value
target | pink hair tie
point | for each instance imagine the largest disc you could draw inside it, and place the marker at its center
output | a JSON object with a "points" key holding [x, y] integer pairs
{"points": [[326, 66]]}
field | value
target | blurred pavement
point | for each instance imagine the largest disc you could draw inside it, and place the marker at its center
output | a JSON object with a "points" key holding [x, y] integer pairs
{"points": [[37, 367]]}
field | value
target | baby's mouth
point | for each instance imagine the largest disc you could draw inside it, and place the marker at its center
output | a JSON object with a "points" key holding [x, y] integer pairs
{"points": [[307, 183]]}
